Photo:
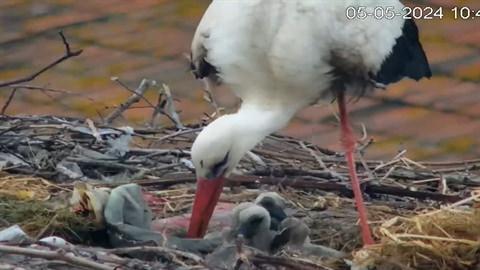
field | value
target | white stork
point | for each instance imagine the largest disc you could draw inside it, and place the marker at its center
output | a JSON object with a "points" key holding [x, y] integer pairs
{"points": [[280, 56]]}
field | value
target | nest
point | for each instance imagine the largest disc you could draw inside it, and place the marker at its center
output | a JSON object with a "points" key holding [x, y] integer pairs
{"points": [[41, 157]]}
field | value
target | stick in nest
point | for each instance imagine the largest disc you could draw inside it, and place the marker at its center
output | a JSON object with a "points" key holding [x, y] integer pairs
{"points": [[56, 255], [137, 95], [9, 100], [208, 96], [166, 106], [319, 160], [162, 251]]}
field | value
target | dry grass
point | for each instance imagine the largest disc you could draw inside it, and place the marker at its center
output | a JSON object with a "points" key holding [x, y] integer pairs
{"points": [[28, 202], [441, 239]]}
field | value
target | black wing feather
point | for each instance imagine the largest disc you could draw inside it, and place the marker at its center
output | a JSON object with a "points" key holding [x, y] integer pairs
{"points": [[201, 68], [407, 58]]}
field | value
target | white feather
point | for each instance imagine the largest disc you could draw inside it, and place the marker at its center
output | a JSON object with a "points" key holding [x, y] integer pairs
{"points": [[274, 54], [278, 50]]}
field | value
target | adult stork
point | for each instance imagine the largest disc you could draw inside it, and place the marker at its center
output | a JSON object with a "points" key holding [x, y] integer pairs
{"points": [[280, 56]]}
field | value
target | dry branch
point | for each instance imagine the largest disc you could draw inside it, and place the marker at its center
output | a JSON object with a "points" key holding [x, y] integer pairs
{"points": [[8, 101], [24, 137], [289, 263], [161, 251], [68, 54], [59, 255], [138, 93]]}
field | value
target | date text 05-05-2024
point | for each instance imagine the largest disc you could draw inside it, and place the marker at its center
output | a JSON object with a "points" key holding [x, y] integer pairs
{"points": [[418, 13]]}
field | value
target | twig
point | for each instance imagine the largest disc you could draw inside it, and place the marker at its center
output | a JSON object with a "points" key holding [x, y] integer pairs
{"points": [[394, 160], [370, 173], [389, 172], [457, 169], [475, 196], [314, 155], [332, 186], [208, 96], [122, 84], [46, 228], [364, 146], [94, 130], [417, 164], [9, 100], [169, 108], [163, 251], [104, 163], [47, 89], [319, 160], [437, 238], [136, 97], [450, 163], [302, 183], [157, 108], [364, 133], [289, 263], [56, 255], [256, 159], [178, 133], [68, 54]]}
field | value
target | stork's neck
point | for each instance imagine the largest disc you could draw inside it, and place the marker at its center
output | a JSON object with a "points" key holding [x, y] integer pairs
{"points": [[251, 124], [233, 135], [262, 119]]}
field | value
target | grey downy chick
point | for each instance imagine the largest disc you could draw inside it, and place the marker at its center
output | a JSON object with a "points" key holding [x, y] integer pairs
{"points": [[299, 240], [270, 201], [275, 205], [252, 222], [128, 222]]}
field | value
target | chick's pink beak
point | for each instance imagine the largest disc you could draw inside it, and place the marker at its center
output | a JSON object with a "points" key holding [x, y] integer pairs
{"points": [[206, 198]]}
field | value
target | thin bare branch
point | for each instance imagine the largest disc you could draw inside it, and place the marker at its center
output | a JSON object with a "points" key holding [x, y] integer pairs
{"points": [[68, 54], [136, 97], [8, 101], [56, 255]]}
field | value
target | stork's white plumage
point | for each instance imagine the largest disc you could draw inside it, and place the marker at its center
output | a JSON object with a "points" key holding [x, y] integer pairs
{"points": [[280, 56]]}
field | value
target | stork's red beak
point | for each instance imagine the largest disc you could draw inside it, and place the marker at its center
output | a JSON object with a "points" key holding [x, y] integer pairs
{"points": [[206, 198]]}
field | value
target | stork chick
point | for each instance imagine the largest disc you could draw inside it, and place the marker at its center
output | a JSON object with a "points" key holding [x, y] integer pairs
{"points": [[252, 222], [275, 205], [299, 240]]}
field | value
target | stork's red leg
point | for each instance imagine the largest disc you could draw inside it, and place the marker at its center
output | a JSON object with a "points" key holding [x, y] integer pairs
{"points": [[348, 141]]}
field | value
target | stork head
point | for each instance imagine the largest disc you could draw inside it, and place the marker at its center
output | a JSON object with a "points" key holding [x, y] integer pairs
{"points": [[215, 153]]}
